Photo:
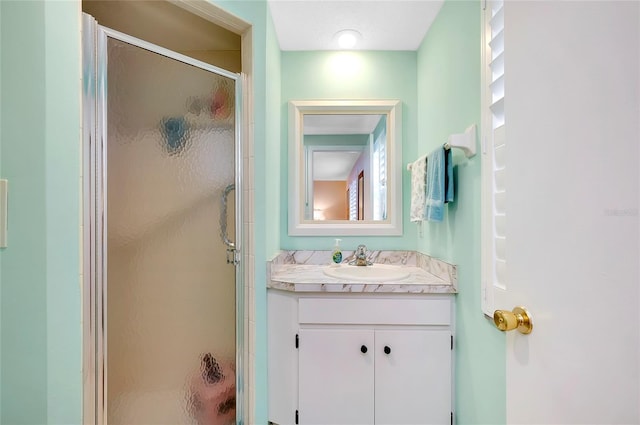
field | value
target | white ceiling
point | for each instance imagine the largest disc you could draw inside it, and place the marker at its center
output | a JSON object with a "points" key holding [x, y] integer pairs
{"points": [[384, 24], [334, 165]]}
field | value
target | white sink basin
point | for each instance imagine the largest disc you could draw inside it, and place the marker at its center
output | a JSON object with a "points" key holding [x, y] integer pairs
{"points": [[373, 273]]}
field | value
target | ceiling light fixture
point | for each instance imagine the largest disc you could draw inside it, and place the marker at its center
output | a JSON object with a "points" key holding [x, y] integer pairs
{"points": [[347, 39]]}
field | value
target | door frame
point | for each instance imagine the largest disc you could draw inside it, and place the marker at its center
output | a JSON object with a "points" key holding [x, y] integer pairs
{"points": [[93, 182]]}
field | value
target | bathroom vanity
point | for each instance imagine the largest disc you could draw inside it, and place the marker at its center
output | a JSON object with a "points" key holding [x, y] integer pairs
{"points": [[360, 351]]}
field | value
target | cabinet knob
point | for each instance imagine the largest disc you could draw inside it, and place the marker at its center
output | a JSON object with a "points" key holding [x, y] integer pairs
{"points": [[387, 349], [363, 349]]}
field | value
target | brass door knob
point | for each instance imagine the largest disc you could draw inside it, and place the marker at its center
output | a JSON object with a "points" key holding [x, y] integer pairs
{"points": [[519, 319]]}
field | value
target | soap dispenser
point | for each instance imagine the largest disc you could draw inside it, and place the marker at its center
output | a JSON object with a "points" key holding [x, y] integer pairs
{"points": [[336, 255]]}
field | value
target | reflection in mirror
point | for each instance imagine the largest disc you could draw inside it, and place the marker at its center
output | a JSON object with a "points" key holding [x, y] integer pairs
{"points": [[342, 153], [345, 168]]}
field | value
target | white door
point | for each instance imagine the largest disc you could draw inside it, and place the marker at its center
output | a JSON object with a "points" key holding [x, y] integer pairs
{"points": [[336, 368], [572, 127], [413, 377]]}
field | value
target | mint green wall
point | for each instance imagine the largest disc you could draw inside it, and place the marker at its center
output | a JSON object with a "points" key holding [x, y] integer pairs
{"points": [[449, 101], [266, 81], [1, 249], [339, 139], [40, 275], [380, 128], [350, 75], [63, 219], [24, 339]]}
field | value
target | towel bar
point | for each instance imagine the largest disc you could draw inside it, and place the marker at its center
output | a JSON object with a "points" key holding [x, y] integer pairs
{"points": [[465, 141]]}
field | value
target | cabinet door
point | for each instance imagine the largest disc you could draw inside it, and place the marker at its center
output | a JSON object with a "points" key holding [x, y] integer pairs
{"points": [[336, 378], [413, 380]]}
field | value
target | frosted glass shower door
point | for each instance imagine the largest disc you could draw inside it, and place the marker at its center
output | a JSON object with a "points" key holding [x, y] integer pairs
{"points": [[170, 307]]}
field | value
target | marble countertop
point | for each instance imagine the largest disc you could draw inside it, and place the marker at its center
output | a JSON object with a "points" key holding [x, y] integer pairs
{"points": [[303, 271]]}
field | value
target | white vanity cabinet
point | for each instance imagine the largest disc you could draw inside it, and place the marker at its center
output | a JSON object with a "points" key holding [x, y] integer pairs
{"points": [[360, 358], [336, 380]]}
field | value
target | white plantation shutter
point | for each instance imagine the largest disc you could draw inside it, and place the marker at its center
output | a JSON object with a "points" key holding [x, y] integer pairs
{"points": [[353, 200], [494, 170], [379, 177]]}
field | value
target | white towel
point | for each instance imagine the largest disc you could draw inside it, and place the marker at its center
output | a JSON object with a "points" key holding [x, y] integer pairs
{"points": [[418, 179]]}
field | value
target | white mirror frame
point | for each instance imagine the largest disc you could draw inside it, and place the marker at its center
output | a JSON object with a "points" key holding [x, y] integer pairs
{"points": [[298, 226]]}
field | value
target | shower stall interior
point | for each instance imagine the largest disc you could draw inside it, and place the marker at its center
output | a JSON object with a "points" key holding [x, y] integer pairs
{"points": [[163, 284]]}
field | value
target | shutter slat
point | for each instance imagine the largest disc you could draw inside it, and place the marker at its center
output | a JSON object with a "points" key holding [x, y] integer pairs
{"points": [[499, 202], [497, 44], [497, 89], [500, 177], [501, 274], [497, 66], [500, 223], [499, 156], [497, 21], [501, 248], [496, 5], [497, 108], [499, 136]]}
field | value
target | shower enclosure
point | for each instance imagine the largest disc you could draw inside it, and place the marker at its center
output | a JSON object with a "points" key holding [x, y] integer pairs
{"points": [[163, 284]]}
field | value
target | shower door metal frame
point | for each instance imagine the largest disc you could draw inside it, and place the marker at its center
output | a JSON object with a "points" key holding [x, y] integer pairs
{"points": [[94, 186]]}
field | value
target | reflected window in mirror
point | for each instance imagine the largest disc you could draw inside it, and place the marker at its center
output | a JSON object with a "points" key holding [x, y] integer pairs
{"points": [[345, 173], [379, 172]]}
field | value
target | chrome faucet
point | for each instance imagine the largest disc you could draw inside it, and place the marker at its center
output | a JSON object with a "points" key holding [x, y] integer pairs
{"points": [[361, 257]]}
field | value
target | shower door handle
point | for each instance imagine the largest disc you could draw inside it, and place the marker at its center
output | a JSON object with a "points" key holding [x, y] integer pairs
{"points": [[232, 252]]}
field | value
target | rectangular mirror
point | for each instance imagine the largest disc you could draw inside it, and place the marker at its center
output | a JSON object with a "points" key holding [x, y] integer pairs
{"points": [[345, 167]]}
